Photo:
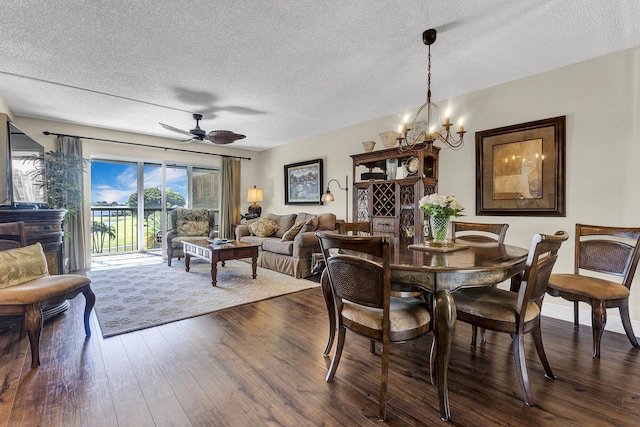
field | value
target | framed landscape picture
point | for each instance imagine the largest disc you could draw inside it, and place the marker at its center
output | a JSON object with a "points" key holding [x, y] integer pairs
{"points": [[520, 169], [303, 183]]}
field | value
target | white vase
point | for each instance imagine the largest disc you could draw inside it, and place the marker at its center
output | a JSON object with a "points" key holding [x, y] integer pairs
{"points": [[440, 228]]}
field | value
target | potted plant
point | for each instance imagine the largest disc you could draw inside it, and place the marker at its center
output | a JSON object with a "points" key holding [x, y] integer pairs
{"points": [[64, 175]]}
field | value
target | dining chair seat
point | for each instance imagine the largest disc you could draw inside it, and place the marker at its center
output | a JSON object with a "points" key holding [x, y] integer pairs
{"points": [[408, 317], [591, 287], [494, 304]]}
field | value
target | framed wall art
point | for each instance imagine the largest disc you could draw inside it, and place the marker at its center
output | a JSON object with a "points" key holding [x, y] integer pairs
{"points": [[520, 169], [303, 183]]}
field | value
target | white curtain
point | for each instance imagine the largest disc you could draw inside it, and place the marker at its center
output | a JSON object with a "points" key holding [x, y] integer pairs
{"points": [[230, 197], [76, 240]]}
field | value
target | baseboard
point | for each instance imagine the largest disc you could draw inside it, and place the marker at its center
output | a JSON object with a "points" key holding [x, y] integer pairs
{"points": [[562, 312]]}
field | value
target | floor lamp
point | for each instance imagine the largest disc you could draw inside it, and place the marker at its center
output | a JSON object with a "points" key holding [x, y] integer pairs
{"points": [[328, 197]]}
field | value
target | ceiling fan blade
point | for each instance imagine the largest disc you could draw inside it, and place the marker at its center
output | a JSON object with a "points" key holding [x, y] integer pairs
{"points": [[171, 128], [187, 141], [224, 136]]}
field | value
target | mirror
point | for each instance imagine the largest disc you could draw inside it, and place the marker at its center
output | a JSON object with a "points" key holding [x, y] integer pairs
{"points": [[25, 185], [27, 169]]}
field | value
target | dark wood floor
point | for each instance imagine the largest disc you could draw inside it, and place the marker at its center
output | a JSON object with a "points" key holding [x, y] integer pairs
{"points": [[262, 364]]}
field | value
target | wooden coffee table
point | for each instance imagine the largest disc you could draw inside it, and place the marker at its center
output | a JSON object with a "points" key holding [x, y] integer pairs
{"points": [[213, 253]]}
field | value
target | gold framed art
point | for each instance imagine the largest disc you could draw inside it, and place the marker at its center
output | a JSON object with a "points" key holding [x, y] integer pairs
{"points": [[520, 169]]}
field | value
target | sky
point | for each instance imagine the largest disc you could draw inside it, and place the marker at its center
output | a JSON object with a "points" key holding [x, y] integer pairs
{"points": [[115, 182]]}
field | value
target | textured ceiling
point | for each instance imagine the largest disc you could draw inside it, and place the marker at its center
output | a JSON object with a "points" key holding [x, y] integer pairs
{"points": [[280, 71]]}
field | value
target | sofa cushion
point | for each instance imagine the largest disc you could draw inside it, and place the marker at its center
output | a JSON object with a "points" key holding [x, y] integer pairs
{"points": [[22, 265], [285, 222], [291, 233], [192, 222], [277, 246], [176, 242], [264, 227], [326, 221], [254, 240]]}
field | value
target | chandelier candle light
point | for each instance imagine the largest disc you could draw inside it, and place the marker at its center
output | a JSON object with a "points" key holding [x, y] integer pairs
{"points": [[440, 209], [425, 131]]}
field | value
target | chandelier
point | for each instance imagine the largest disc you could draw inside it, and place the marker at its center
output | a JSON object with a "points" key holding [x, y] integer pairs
{"points": [[421, 131]]}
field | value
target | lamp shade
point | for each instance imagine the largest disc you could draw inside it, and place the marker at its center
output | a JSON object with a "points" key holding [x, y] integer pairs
{"points": [[327, 197], [254, 195]]}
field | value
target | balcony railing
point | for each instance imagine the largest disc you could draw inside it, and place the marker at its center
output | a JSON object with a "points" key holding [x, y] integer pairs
{"points": [[114, 229]]}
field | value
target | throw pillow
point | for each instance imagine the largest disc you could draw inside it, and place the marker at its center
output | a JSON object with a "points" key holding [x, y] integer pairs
{"points": [[22, 265], [249, 222], [291, 233], [285, 222], [264, 227], [311, 225]]}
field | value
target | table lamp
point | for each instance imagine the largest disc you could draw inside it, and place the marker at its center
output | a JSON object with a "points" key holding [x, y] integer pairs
{"points": [[254, 195]]}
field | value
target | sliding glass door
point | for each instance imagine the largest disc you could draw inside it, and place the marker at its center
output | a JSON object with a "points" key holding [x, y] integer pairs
{"points": [[122, 221]]}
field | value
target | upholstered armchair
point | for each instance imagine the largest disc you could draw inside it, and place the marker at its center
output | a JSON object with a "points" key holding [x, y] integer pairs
{"points": [[26, 286], [189, 225]]}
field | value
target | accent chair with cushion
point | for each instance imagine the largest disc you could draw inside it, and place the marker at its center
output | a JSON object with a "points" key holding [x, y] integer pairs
{"points": [[26, 286], [189, 225]]}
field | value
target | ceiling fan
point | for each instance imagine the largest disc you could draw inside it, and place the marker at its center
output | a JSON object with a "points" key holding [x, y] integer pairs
{"points": [[197, 134]]}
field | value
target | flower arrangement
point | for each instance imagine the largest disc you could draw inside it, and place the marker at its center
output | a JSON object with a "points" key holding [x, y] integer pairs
{"points": [[439, 205]]}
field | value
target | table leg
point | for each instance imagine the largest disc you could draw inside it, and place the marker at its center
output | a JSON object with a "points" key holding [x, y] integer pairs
{"points": [[187, 259], [254, 264], [445, 323], [214, 272]]}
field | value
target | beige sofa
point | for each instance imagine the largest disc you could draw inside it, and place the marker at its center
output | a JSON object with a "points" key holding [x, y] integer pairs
{"points": [[290, 257]]}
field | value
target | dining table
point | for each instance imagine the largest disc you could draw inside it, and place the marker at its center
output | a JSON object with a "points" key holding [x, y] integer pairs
{"points": [[440, 270]]}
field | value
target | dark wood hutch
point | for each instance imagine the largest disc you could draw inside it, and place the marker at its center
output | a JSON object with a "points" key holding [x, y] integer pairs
{"points": [[388, 184]]}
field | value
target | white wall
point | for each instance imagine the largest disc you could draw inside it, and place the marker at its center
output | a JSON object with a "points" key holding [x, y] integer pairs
{"points": [[601, 100]]}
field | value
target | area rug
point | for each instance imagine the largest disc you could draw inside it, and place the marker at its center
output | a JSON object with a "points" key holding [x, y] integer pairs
{"points": [[133, 298]]}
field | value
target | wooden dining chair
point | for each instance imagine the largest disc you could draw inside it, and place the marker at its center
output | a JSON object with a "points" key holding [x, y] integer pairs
{"points": [[613, 251], [360, 288], [516, 313], [26, 286], [364, 228], [478, 232]]}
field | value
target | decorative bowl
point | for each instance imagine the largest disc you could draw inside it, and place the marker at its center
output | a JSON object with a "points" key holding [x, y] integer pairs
{"points": [[389, 138], [368, 145]]}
